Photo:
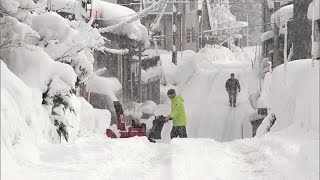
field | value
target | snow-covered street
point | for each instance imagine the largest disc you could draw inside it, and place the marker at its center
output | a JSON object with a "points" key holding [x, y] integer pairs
{"points": [[99, 158], [160, 90], [209, 113]]}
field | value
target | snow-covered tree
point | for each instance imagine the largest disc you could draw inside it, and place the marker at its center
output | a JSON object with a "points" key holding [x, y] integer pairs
{"points": [[50, 54], [224, 25]]}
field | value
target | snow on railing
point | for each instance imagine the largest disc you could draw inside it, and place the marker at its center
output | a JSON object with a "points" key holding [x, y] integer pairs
{"points": [[115, 51]]}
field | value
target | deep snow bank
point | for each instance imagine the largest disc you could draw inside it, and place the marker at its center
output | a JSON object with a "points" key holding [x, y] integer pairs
{"points": [[24, 122], [293, 95]]}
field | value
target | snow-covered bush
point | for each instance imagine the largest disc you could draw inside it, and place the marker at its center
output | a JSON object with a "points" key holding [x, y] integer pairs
{"points": [[68, 42], [49, 54]]}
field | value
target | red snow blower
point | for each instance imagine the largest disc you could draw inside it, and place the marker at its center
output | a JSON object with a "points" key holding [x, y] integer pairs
{"points": [[122, 131]]}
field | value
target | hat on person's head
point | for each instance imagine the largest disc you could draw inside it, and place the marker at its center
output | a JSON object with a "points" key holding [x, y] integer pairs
{"points": [[171, 93]]}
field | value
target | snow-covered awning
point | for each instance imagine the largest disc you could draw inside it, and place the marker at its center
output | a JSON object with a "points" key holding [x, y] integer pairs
{"points": [[266, 36], [316, 12], [107, 86]]}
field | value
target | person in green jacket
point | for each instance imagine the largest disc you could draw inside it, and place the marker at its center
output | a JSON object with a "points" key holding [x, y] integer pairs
{"points": [[177, 115]]}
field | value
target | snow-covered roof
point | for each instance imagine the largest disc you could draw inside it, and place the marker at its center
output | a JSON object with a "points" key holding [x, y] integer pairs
{"points": [[266, 36], [109, 14], [107, 86], [316, 12], [281, 16]]}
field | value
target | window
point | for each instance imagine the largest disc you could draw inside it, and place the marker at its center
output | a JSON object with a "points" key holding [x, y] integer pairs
{"points": [[192, 5], [188, 35], [193, 34]]}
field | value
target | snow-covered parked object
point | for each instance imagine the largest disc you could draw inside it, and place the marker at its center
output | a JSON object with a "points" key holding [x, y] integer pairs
{"points": [[266, 36], [314, 6], [106, 86], [281, 16]]}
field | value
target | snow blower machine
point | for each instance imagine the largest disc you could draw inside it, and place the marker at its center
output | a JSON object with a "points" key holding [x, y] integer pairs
{"points": [[135, 129], [122, 131]]}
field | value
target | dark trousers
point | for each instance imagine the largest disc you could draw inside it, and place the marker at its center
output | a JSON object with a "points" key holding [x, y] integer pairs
{"points": [[233, 98], [178, 131]]}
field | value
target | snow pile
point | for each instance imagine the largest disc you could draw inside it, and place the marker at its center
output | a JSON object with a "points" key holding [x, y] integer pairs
{"points": [[106, 86], [187, 65], [150, 73], [219, 54], [314, 6], [148, 107], [266, 36], [102, 120], [281, 16], [169, 69], [91, 119], [294, 96], [139, 109]]}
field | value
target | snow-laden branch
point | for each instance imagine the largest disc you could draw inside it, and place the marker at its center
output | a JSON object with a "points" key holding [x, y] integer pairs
{"points": [[156, 22], [115, 51], [134, 18]]}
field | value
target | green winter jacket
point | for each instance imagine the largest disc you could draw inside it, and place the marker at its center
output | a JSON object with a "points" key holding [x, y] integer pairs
{"points": [[178, 113]]}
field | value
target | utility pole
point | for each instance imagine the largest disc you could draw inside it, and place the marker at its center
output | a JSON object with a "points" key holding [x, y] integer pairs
{"points": [[248, 30], [139, 77], [264, 5], [276, 60], [49, 5], [174, 31], [313, 34]]}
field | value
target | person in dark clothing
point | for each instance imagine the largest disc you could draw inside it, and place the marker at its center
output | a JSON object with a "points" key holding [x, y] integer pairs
{"points": [[232, 87]]}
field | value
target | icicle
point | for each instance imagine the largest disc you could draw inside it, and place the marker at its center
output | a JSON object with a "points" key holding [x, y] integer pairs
{"points": [[285, 58]]}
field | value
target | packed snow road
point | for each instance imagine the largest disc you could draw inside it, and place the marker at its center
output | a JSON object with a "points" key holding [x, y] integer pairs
{"points": [[100, 158], [207, 106]]}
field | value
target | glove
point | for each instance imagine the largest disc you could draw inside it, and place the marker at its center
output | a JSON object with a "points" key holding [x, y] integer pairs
{"points": [[167, 119]]}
